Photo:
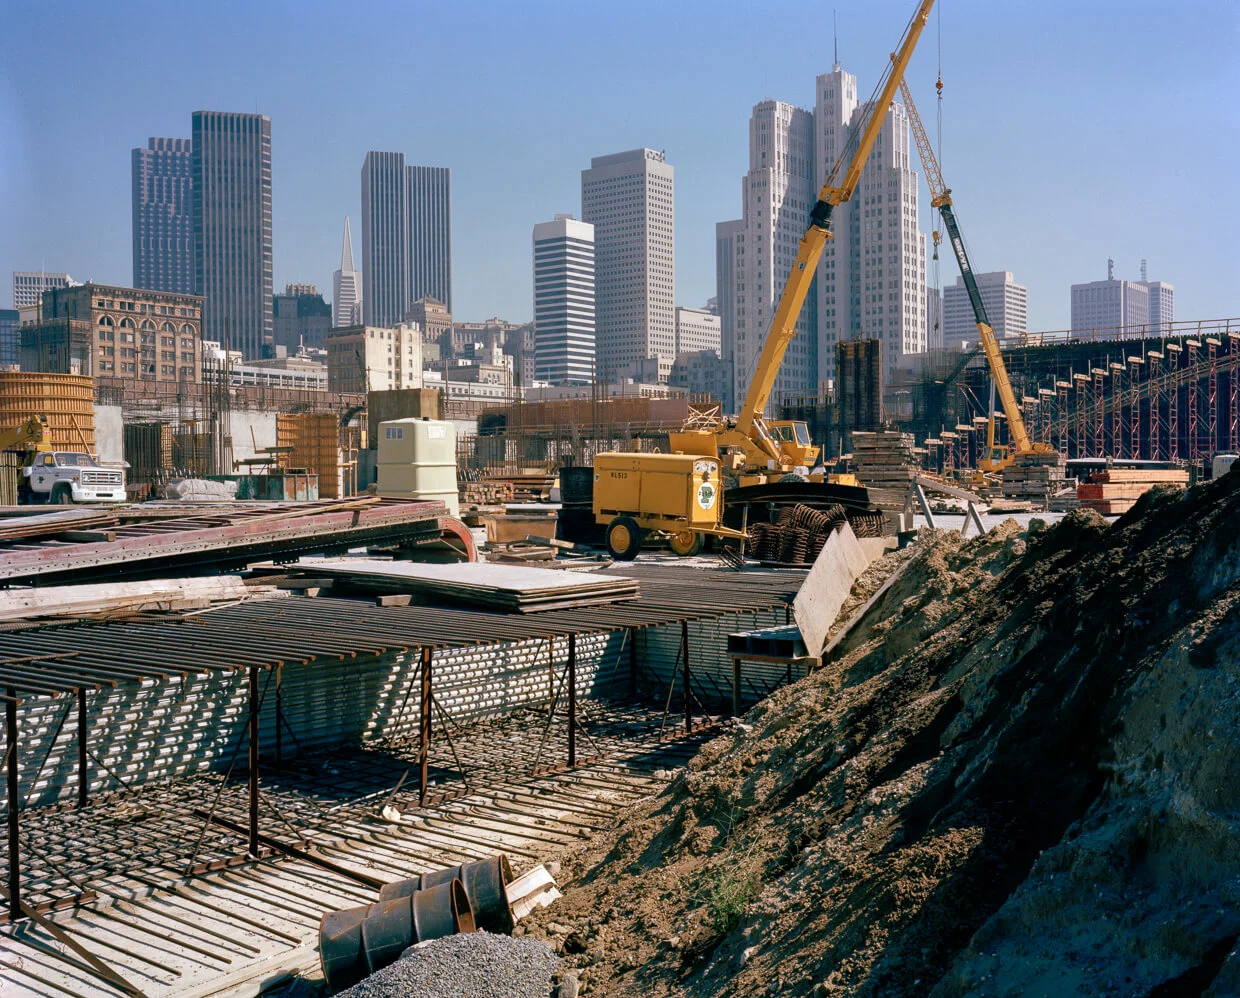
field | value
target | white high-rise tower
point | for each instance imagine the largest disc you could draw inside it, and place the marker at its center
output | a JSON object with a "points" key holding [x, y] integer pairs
{"points": [[346, 287], [564, 301], [872, 277], [777, 194], [628, 198]]}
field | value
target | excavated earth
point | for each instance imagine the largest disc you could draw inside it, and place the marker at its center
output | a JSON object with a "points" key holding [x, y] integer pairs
{"points": [[1019, 774]]}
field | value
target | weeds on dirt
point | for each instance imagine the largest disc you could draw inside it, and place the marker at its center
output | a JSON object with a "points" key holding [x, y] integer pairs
{"points": [[729, 897]]}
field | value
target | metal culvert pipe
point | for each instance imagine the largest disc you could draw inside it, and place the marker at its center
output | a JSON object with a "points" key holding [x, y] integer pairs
{"points": [[486, 884], [355, 942]]}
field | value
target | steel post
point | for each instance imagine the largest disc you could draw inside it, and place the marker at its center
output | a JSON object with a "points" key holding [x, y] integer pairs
{"points": [[633, 663], [15, 866], [279, 716], [572, 700], [736, 686], [424, 727], [254, 762], [684, 658], [83, 774]]}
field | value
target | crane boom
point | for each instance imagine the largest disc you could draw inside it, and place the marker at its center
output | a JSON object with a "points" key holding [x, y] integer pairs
{"points": [[941, 198], [750, 422]]}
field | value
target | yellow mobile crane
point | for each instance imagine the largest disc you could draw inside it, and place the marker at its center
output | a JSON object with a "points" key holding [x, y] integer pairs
{"points": [[782, 446], [997, 457]]}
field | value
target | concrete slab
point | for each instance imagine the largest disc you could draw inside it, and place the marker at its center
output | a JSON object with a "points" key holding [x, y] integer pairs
{"points": [[827, 587]]}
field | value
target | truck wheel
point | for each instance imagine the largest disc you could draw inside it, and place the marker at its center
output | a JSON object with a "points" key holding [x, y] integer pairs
{"points": [[62, 494], [686, 543], [624, 538]]}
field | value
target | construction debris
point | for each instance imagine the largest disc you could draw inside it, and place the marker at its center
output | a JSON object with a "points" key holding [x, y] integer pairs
{"points": [[511, 588], [1013, 775], [1035, 476], [129, 597]]}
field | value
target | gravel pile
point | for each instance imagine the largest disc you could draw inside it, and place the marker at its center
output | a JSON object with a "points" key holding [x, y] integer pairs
{"points": [[477, 964]]}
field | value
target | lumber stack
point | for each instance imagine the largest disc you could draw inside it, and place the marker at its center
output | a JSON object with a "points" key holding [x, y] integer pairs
{"points": [[63, 520], [510, 588], [1035, 477], [886, 462], [1113, 491]]}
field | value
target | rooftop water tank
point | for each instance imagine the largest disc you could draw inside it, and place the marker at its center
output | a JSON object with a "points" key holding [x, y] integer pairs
{"points": [[417, 460]]}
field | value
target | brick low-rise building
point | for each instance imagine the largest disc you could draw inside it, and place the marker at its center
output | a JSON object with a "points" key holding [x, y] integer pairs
{"points": [[116, 332]]}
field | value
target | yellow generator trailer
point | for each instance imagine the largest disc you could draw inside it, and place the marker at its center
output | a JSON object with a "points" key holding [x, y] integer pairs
{"points": [[680, 495]]}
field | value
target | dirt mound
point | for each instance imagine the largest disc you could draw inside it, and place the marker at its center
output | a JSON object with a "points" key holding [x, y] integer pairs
{"points": [[1016, 777]]}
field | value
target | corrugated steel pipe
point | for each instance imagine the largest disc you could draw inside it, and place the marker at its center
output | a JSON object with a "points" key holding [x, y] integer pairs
{"points": [[355, 942], [486, 883]]}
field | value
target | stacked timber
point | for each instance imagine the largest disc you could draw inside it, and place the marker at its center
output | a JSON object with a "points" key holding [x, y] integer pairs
{"points": [[1114, 491], [886, 461], [1035, 477]]}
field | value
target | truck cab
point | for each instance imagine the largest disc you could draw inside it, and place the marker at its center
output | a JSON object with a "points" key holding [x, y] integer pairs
{"points": [[64, 477]]}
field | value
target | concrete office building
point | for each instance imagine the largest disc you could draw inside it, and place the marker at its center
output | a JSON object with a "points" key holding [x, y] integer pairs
{"points": [[564, 301], [1122, 308], [346, 286], [1006, 305], [777, 195], [301, 318], [406, 237], [629, 199], [10, 338], [163, 216], [435, 320], [727, 237], [231, 196], [872, 277], [374, 359], [29, 285], [430, 233], [697, 329]]}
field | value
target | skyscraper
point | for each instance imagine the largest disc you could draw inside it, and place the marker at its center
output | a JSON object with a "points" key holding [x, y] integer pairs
{"points": [[564, 301], [629, 199], [430, 233], [231, 196], [163, 216], [872, 277], [406, 236], [777, 195], [1006, 305], [346, 286]]}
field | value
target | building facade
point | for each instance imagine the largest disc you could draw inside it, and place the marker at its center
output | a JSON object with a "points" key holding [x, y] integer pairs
{"points": [[434, 319], [1162, 304], [702, 373], [406, 236], [300, 318], [872, 277], [430, 233], [231, 197], [1110, 307], [564, 301], [29, 285], [629, 199], [113, 332], [163, 216], [346, 286], [374, 359], [776, 195], [1006, 303], [697, 329]]}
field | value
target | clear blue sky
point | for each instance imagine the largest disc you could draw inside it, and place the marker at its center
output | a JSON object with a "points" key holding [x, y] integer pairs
{"points": [[1073, 131]]}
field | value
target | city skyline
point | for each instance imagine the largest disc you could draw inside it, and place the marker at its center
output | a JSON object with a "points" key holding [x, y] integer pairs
{"points": [[1013, 199]]}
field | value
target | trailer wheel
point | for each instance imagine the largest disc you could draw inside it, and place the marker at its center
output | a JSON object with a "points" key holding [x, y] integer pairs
{"points": [[686, 543], [624, 538], [62, 494]]}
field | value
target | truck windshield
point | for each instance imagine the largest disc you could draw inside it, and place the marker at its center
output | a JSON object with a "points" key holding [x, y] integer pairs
{"points": [[802, 434], [68, 459]]}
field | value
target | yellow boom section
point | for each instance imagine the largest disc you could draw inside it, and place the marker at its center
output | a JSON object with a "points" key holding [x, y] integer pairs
{"points": [[783, 326]]}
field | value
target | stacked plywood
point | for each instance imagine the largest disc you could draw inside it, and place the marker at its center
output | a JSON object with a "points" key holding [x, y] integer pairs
{"points": [[1034, 477], [1115, 490], [886, 462], [321, 446]]}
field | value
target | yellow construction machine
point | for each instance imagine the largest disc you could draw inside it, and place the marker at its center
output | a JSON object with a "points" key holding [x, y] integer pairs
{"points": [[996, 457], [751, 445]]}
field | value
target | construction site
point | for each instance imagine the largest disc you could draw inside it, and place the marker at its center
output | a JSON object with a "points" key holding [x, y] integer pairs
{"points": [[929, 686]]}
